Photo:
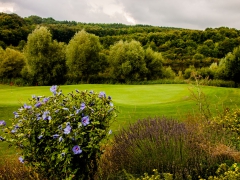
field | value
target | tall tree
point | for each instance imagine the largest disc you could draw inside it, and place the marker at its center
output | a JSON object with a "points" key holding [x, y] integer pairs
{"points": [[82, 55], [154, 62], [44, 57], [126, 60], [232, 65]]}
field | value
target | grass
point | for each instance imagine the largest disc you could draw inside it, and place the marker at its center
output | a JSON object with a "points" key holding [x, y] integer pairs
{"points": [[132, 101]]}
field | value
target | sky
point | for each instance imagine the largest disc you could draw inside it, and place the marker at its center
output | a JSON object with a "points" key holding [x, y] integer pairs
{"points": [[190, 14]]}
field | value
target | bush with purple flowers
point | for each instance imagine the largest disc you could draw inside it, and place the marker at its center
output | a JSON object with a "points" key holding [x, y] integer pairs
{"points": [[60, 136]]}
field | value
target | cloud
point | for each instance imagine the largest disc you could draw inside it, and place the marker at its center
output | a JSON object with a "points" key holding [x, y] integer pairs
{"points": [[198, 14], [192, 14]]}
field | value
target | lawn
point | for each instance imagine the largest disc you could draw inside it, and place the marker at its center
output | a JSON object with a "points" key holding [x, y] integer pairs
{"points": [[133, 102]]}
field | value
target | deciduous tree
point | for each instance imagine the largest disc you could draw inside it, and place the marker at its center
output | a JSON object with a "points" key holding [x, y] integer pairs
{"points": [[232, 65], [154, 62], [11, 63], [83, 56], [45, 58], [126, 60]]}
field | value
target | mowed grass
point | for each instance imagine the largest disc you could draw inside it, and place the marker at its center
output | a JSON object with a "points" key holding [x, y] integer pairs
{"points": [[133, 102]]}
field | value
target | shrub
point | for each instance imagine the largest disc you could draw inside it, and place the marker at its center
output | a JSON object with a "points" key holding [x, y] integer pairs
{"points": [[228, 121], [155, 176], [60, 136], [163, 144], [225, 172]]}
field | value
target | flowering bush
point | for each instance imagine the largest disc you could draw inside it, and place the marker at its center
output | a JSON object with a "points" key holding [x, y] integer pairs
{"points": [[225, 172], [60, 136], [229, 122]]}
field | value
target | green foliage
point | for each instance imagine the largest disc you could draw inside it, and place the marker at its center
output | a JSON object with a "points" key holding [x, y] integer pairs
{"points": [[45, 58], [230, 121], [154, 62], [83, 56], [13, 29], [11, 63], [126, 60], [189, 72], [168, 73], [60, 136], [155, 176], [232, 65], [226, 172]]}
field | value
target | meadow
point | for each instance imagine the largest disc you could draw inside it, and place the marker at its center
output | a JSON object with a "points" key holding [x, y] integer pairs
{"points": [[133, 102]]}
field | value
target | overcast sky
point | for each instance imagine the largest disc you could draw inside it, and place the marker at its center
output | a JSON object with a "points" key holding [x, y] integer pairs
{"points": [[191, 14]]}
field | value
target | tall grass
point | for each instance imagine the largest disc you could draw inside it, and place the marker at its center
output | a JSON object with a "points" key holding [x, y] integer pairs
{"points": [[12, 169], [163, 144]]}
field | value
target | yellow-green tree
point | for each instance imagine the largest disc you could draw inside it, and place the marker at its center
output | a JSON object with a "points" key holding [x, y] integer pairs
{"points": [[82, 55], [46, 63], [126, 60], [11, 63]]}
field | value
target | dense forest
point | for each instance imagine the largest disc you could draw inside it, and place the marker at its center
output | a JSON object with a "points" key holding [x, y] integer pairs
{"points": [[45, 51]]}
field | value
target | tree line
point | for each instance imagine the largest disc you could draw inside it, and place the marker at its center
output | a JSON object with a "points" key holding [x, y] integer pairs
{"points": [[45, 51]]}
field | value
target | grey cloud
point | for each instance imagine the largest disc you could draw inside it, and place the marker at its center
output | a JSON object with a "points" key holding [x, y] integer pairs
{"points": [[193, 14], [185, 13]]}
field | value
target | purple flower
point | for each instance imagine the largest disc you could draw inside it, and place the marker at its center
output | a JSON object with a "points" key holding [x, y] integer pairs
{"points": [[82, 106], [15, 129], [38, 104], [77, 91], [26, 106], [55, 136], [45, 100], [78, 111], [2, 123], [40, 137], [21, 159], [102, 95], [45, 115], [76, 149], [38, 116], [85, 120], [53, 89], [60, 139], [16, 114], [63, 154], [67, 130]]}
